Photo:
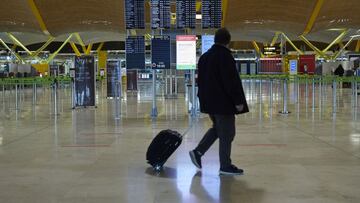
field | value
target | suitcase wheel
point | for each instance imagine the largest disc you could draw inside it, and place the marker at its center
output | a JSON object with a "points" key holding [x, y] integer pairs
{"points": [[158, 167]]}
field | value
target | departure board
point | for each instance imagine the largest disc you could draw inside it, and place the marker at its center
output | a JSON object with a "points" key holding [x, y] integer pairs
{"points": [[135, 14], [211, 14], [135, 52], [160, 52], [160, 14], [185, 13]]}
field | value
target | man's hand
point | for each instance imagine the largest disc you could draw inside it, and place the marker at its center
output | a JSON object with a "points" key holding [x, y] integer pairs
{"points": [[239, 107]]}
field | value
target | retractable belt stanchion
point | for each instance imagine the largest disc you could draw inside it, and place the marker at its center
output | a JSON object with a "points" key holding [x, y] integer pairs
{"points": [[356, 93], [313, 94], [154, 112], [73, 103], [55, 97], [3, 91], [260, 91], [171, 84], [16, 97], [166, 82], [306, 93], [116, 100], [285, 97], [296, 89], [34, 93], [193, 102], [271, 93], [334, 94], [18, 83], [320, 92], [176, 83]]}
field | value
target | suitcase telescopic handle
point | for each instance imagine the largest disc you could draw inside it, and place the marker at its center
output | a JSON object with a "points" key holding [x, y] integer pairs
{"points": [[187, 130]]}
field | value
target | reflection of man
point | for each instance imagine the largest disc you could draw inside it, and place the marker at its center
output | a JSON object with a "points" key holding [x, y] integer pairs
{"points": [[221, 96]]}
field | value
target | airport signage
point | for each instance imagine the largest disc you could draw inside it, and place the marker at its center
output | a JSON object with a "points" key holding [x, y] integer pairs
{"points": [[84, 81], [186, 52]]}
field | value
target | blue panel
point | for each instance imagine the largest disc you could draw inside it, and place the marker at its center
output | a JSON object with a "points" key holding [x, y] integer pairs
{"points": [[206, 43], [135, 14], [185, 13], [135, 52], [160, 52]]}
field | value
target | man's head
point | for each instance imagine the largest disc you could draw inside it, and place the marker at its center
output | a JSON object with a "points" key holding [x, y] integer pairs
{"points": [[222, 36]]}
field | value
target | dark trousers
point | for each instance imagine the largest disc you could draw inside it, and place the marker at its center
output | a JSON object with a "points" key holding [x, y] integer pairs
{"points": [[224, 129]]}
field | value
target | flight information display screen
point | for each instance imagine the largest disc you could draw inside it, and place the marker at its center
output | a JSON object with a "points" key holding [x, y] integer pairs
{"points": [[160, 52], [211, 14], [185, 13], [135, 52], [160, 14], [135, 14]]}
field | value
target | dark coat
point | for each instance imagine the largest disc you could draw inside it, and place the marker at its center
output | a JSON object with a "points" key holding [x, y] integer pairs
{"points": [[220, 87]]}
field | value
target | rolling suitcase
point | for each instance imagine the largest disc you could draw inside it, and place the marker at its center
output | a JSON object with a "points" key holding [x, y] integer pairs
{"points": [[161, 148]]}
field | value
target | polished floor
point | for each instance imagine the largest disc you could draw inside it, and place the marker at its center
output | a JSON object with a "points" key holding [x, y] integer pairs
{"points": [[85, 155]]}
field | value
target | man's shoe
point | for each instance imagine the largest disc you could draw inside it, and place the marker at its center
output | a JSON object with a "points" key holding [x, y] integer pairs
{"points": [[195, 158], [231, 170]]}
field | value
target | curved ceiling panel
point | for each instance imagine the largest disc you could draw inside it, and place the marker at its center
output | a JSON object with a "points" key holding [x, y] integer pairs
{"points": [[69, 16], [268, 16], [16, 16], [338, 14], [329, 35], [25, 38], [94, 37]]}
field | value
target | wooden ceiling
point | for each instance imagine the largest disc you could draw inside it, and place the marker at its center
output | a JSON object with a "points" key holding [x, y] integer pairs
{"points": [[248, 20]]}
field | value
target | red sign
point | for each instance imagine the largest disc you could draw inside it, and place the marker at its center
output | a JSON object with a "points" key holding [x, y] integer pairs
{"points": [[307, 64], [186, 38]]}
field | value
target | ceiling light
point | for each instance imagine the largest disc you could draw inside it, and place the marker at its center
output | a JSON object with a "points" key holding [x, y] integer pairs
{"points": [[353, 36], [336, 29]]}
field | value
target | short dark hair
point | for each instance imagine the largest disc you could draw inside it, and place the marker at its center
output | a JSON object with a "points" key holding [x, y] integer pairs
{"points": [[222, 36]]}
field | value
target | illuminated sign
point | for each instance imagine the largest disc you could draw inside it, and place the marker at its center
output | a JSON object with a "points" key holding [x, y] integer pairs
{"points": [[160, 52], [186, 52], [206, 43], [293, 67]]}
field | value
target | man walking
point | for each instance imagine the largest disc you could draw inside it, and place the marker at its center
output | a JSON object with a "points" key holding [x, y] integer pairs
{"points": [[221, 96]]}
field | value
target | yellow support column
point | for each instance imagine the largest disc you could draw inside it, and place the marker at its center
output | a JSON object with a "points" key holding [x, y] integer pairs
{"points": [[81, 42], [102, 58], [336, 40], [37, 52], [274, 40], [341, 45], [38, 16], [52, 56], [357, 49], [17, 42], [12, 51], [342, 49], [198, 6], [76, 50], [257, 48], [100, 47], [312, 46], [225, 4], [292, 44], [88, 50], [41, 67], [313, 16]]}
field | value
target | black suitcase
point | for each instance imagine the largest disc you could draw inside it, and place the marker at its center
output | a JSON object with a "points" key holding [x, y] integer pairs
{"points": [[161, 148]]}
